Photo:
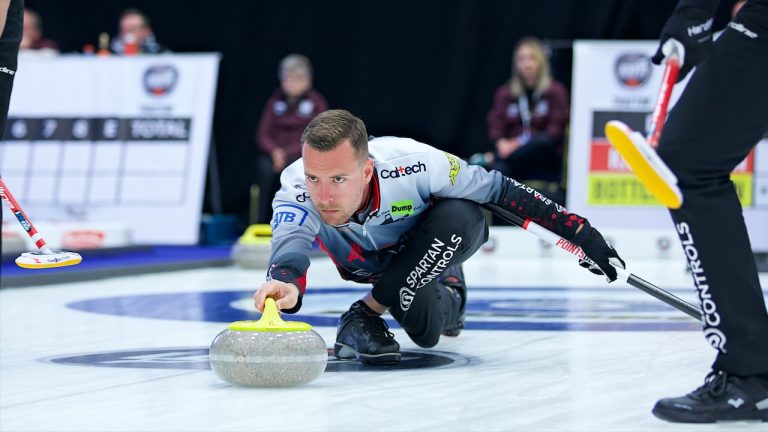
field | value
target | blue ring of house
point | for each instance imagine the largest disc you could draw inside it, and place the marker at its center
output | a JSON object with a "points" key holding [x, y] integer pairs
{"points": [[553, 309]]}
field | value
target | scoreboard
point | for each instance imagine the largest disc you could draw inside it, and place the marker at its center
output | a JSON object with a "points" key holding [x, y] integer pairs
{"points": [[112, 139]]}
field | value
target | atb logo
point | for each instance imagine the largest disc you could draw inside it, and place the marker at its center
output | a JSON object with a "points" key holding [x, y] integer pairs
{"points": [[281, 217], [290, 213]]}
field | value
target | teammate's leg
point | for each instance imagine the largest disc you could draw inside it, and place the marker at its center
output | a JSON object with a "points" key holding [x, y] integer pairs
{"points": [[718, 120], [9, 52]]}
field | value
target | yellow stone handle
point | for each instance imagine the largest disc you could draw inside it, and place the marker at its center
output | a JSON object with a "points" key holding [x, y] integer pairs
{"points": [[270, 321], [271, 316]]}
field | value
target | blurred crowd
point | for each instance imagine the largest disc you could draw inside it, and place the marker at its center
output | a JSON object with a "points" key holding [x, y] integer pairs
{"points": [[526, 123], [134, 36]]}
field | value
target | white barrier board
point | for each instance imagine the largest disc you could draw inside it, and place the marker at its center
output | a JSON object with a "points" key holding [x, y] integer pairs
{"points": [[112, 139]]}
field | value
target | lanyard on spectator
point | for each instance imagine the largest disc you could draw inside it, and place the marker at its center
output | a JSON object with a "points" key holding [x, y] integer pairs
{"points": [[525, 117]]}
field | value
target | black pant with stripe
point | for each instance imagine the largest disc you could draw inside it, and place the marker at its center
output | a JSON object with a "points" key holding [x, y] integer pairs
{"points": [[9, 53], [720, 117]]}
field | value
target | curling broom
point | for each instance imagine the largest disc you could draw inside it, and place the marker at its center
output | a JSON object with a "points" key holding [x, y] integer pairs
{"points": [[45, 258]]}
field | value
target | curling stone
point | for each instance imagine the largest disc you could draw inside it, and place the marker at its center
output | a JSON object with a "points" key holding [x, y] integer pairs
{"points": [[269, 352], [253, 248]]}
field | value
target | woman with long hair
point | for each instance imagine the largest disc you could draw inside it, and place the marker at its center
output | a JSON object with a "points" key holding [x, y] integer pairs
{"points": [[528, 118]]}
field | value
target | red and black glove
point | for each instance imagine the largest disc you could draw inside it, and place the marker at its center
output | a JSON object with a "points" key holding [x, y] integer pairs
{"points": [[688, 31], [598, 250]]}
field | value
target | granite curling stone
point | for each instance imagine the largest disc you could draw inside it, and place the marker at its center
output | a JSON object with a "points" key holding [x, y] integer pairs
{"points": [[269, 352], [253, 248]]}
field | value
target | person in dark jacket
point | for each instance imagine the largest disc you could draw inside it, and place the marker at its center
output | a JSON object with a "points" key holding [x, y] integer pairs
{"points": [[136, 35], [528, 118], [287, 112]]}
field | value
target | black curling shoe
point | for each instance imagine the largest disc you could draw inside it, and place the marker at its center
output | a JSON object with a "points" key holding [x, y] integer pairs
{"points": [[723, 397], [364, 335]]}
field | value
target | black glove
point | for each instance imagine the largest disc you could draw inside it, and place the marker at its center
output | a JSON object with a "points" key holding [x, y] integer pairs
{"points": [[605, 256], [692, 28]]}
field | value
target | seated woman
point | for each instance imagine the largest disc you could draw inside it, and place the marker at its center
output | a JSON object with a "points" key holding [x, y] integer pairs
{"points": [[528, 118]]}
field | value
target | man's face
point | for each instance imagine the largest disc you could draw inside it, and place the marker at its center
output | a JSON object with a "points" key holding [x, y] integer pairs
{"points": [[135, 26], [337, 181]]}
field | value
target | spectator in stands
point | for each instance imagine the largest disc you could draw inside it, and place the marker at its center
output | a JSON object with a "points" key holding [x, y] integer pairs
{"points": [[287, 112], [528, 119], [136, 36], [32, 38]]}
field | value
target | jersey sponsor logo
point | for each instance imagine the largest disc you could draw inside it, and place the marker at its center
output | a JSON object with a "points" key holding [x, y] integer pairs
{"points": [[402, 208], [711, 318], [455, 166], [303, 197], [633, 69], [4, 69], [289, 213], [403, 171]]}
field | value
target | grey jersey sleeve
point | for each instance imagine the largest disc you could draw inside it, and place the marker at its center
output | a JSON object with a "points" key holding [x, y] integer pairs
{"points": [[295, 223], [452, 177]]}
